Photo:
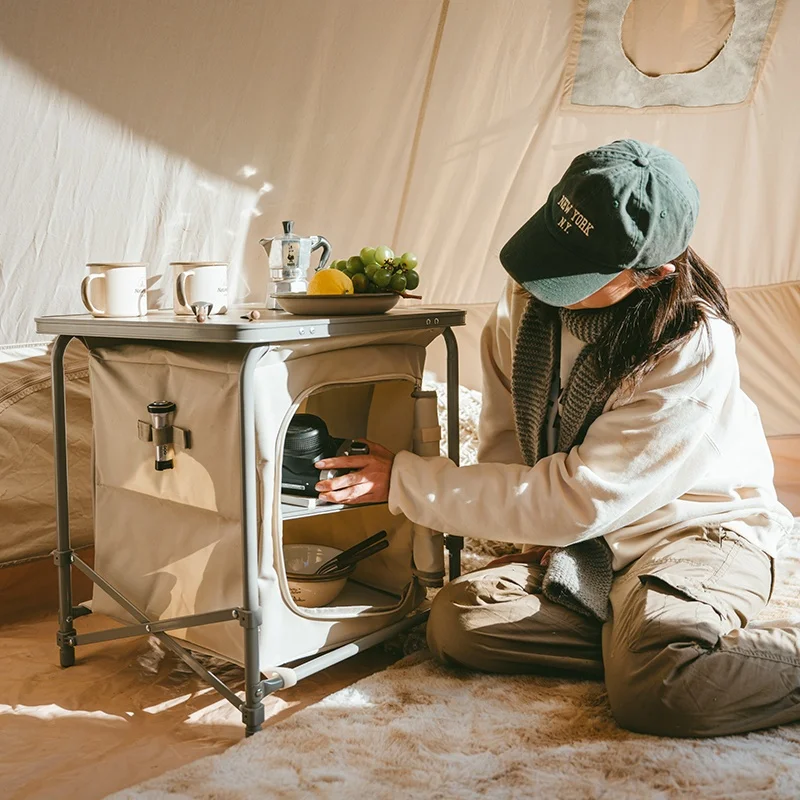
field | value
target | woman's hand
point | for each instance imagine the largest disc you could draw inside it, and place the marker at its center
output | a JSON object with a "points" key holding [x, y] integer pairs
{"points": [[368, 484], [539, 554]]}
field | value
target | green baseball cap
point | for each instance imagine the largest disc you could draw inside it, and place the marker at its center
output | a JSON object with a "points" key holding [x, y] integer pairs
{"points": [[625, 205]]}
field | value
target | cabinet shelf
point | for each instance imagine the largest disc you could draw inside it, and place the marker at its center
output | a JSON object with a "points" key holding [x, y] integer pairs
{"points": [[289, 511]]}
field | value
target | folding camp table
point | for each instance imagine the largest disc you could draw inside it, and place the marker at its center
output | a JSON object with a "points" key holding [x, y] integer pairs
{"points": [[292, 348]]}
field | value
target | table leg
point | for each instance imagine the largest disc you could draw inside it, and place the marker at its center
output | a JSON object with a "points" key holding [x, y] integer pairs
{"points": [[63, 553], [252, 710], [454, 543]]}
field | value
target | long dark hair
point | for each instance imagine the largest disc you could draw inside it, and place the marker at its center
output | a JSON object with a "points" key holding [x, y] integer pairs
{"points": [[655, 320]]}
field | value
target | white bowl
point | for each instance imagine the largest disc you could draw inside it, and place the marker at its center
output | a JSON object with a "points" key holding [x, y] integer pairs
{"points": [[309, 590]]}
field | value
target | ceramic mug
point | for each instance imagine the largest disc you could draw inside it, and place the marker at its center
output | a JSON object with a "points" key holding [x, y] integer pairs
{"points": [[200, 282], [115, 289]]}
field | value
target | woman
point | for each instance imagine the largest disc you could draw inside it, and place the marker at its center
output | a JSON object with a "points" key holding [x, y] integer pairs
{"points": [[618, 448]]}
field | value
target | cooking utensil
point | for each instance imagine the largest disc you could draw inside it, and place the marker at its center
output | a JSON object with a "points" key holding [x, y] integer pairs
{"points": [[352, 555], [290, 260]]}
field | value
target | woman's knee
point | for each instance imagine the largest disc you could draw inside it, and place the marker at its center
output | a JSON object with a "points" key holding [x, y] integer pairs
{"points": [[665, 698], [451, 637]]}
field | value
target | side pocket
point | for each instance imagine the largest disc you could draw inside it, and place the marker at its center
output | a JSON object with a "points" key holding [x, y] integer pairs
{"points": [[665, 606]]}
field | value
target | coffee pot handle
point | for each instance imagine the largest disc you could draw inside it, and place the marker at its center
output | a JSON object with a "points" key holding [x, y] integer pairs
{"points": [[316, 243]]}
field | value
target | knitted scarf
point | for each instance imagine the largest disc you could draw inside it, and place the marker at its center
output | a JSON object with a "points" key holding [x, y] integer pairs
{"points": [[577, 577]]}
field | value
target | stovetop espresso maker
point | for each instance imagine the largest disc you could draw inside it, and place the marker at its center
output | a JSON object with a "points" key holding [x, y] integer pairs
{"points": [[290, 260]]}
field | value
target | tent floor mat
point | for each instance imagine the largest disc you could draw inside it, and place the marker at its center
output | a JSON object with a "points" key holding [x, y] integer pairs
{"points": [[126, 712], [31, 586]]}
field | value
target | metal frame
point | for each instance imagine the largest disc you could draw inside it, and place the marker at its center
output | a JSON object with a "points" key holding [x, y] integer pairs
{"points": [[248, 614]]}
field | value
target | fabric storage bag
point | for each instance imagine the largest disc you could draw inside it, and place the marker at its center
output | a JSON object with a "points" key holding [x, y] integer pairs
{"points": [[171, 541]]}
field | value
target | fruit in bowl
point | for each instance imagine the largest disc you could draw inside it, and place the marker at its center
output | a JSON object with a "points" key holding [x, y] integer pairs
{"points": [[378, 270], [330, 281]]}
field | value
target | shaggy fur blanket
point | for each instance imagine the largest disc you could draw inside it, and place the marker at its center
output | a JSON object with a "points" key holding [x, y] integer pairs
{"points": [[419, 729]]}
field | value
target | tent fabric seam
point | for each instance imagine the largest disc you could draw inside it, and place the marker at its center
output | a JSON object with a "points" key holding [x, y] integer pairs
{"points": [[76, 373]]}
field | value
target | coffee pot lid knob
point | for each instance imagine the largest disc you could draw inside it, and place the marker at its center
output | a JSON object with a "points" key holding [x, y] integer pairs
{"points": [[288, 224]]}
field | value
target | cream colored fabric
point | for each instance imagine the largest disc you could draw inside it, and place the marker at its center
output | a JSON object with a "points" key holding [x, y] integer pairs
{"points": [[111, 160], [769, 352], [686, 448], [786, 455], [177, 131], [601, 74], [27, 495], [171, 542], [155, 132]]}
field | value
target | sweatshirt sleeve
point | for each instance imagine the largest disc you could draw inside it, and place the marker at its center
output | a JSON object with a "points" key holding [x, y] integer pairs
{"points": [[637, 456], [497, 435]]}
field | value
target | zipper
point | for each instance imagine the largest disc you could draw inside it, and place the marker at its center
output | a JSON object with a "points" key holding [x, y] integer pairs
{"points": [[276, 503]]}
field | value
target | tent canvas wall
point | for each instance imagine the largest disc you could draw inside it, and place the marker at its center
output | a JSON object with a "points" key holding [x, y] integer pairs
{"points": [[189, 129]]}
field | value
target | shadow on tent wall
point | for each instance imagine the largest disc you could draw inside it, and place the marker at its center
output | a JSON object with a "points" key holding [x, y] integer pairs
{"points": [[273, 95]]}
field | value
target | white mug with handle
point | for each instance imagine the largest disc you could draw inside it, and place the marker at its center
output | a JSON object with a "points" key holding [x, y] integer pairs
{"points": [[115, 289], [200, 282]]}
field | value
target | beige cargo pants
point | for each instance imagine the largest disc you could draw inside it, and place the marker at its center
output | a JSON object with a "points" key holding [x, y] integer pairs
{"points": [[677, 656]]}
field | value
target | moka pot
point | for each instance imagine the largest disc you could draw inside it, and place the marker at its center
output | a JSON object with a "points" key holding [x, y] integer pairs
{"points": [[290, 261]]}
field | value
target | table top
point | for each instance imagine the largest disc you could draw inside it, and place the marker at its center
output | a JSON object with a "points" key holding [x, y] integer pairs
{"points": [[272, 326]]}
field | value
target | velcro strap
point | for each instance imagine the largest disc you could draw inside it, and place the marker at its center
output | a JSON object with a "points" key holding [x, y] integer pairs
{"points": [[433, 434], [161, 436], [182, 438]]}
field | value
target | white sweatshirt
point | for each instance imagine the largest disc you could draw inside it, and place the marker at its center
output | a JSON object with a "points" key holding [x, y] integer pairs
{"points": [[687, 448]]}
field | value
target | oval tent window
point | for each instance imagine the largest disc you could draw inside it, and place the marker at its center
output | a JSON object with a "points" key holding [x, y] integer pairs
{"points": [[667, 37]]}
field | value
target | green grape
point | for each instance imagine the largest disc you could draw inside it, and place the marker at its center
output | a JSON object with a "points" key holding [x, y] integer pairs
{"points": [[408, 261], [360, 282], [382, 278], [372, 288], [398, 283], [355, 264], [370, 269], [368, 255], [412, 279], [341, 265], [350, 274], [383, 254]]}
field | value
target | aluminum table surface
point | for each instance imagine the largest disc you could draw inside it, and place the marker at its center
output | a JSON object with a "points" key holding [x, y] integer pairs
{"points": [[273, 326]]}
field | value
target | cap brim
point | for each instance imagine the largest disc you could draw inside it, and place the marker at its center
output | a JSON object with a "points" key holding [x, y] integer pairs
{"points": [[551, 273]]}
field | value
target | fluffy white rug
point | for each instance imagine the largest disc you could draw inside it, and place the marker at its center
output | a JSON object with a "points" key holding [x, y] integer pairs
{"points": [[419, 729]]}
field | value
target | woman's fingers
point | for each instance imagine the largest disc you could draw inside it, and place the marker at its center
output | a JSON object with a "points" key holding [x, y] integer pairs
{"points": [[361, 492], [367, 483], [539, 554], [342, 481], [345, 462]]}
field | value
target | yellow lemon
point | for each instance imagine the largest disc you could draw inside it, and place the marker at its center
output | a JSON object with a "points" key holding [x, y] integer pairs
{"points": [[330, 281]]}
